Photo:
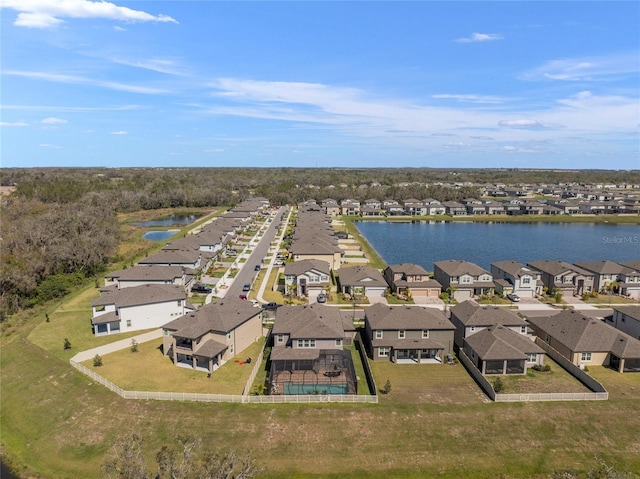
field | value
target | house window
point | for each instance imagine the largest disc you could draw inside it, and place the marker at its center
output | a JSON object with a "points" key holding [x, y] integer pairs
{"points": [[180, 303], [383, 351], [229, 335], [526, 280], [280, 338], [338, 342], [472, 329], [378, 334], [585, 357], [425, 334], [165, 332], [231, 348], [547, 338], [128, 323], [306, 343], [523, 329], [401, 334], [533, 357]]}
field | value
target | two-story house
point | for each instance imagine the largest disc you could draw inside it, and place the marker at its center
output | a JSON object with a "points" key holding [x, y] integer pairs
{"points": [[207, 338], [307, 278], [558, 275], [470, 318], [138, 307], [462, 278], [513, 277], [139, 275], [627, 319], [408, 334], [307, 355], [411, 279]]}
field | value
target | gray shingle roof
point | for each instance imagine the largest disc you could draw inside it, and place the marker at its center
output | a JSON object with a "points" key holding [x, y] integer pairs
{"points": [[148, 273], [580, 333], [138, 295], [471, 313], [222, 317], [315, 321], [408, 269], [305, 265], [500, 342], [361, 276], [455, 267], [380, 316]]}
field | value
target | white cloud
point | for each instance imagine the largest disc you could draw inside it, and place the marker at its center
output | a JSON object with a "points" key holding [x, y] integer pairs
{"points": [[52, 120], [50, 146], [119, 132], [160, 65], [49, 13], [528, 124], [13, 123], [78, 80], [480, 37], [213, 150], [586, 68], [470, 98]]}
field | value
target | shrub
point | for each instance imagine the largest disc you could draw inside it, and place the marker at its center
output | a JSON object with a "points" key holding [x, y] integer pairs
{"points": [[541, 368], [67, 344], [387, 387], [134, 345], [498, 385], [97, 361]]}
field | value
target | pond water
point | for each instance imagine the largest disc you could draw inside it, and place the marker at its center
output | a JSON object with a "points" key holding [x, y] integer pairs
{"points": [[159, 235], [5, 472], [424, 243], [170, 221]]}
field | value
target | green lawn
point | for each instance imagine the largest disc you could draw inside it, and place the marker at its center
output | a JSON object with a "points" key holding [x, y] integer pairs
{"points": [[131, 371], [557, 380]]}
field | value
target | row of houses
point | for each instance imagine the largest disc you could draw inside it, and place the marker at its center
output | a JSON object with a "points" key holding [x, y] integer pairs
{"points": [[467, 280], [154, 291], [476, 207]]}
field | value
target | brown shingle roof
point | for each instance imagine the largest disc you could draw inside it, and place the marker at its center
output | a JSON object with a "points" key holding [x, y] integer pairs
{"points": [[138, 295], [380, 316], [315, 321], [471, 313]]}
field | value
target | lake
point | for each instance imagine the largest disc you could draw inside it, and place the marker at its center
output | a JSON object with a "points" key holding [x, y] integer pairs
{"points": [[170, 221], [159, 235], [424, 243]]}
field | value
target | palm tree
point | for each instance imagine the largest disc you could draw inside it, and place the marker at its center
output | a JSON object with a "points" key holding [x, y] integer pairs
{"points": [[451, 290]]}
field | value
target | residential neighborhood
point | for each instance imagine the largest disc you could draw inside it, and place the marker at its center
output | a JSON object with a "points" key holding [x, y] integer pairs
{"points": [[408, 315]]}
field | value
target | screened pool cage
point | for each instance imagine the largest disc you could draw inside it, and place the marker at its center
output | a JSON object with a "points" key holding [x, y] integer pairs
{"points": [[332, 372]]}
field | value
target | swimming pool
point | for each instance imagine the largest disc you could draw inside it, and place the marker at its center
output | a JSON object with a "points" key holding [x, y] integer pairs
{"points": [[293, 389]]}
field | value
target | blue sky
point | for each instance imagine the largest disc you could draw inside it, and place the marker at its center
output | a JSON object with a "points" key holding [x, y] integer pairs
{"points": [[358, 84]]}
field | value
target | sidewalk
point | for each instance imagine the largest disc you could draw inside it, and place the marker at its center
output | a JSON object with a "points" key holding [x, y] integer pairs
{"points": [[117, 345]]}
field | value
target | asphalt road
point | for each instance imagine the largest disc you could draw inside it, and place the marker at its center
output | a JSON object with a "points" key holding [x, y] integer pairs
{"points": [[247, 273]]}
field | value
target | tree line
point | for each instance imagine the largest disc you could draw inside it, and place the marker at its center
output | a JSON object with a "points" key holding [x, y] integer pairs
{"points": [[59, 226]]}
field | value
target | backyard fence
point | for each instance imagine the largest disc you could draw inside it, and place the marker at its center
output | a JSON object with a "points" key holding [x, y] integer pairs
{"points": [[222, 398], [598, 393]]}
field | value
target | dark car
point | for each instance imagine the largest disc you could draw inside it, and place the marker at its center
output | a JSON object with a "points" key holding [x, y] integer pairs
{"points": [[257, 268], [246, 287], [201, 288], [270, 306], [243, 297]]}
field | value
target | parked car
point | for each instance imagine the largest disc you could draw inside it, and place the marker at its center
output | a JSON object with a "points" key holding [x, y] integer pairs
{"points": [[256, 267], [246, 287], [201, 288], [254, 303], [322, 298], [278, 262], [513, 297], [243, 297], [270, 306]]}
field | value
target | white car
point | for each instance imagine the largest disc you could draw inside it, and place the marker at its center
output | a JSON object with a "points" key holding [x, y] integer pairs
{"points": [[254, 303], [513, 297]]}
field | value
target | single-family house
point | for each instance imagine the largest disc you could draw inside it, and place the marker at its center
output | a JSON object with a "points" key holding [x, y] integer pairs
{"points": [[139, 307], [470, 318], [207, 338], [627, 319], [307, 355], [453, 208], [392, 208], [434, 207], [307, 278], [462, 278], [414, 207], [349, 207], [408, 334], [359, 281], [411, 279], [186, 258], [513, 277], [474, 206], [558, 275], [316, 247], [331, 207], [629, 280], [588, 341], [605, 273], [500, 350], [139, 275]]}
